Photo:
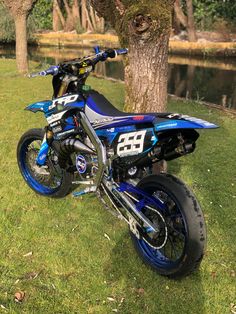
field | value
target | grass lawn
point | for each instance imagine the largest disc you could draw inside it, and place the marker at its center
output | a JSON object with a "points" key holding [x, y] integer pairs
{"points": [[74, 267]]}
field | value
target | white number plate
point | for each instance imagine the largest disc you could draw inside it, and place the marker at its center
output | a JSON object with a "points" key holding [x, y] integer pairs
{"points": [[131, 143]]}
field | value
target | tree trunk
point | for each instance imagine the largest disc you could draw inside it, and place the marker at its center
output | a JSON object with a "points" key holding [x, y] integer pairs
{"points": [[21, 43], [191, 27], [57, 8], [175, 24], [180, 14], [69, 26], [100, 23], [93, 20], [186, 21], [146, 76], [144, 27], [75, 13], [55, 18], [83, 14]]}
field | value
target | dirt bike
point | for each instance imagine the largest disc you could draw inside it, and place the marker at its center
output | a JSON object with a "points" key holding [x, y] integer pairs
{"points": [[91, 142]]}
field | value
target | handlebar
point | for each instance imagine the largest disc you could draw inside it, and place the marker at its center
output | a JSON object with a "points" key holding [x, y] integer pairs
{"points": [[99, 56], [53, 70]]}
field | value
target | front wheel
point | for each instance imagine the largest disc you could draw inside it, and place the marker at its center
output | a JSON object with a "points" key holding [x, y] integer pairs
{"points": [[177, 247], [48, 180]]}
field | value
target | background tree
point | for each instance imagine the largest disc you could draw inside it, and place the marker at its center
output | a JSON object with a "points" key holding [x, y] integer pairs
{"points": [[144, 26], [20, 11], [186, 20], [76, 15]]}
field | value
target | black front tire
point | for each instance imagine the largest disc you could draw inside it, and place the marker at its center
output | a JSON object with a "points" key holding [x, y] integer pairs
{"points": [[37, 182], [191, 224]]}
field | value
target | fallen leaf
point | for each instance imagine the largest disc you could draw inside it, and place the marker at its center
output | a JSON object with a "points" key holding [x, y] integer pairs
{"points": [[110, 299], [16, 282], [223, 265], [19, 296], [73, 229], [121, 301], [167, 288], [114, 310], [140, 291], [28, 254], [213, 274], [107, 236], [233, 308], [232, 273], [3, 307]]}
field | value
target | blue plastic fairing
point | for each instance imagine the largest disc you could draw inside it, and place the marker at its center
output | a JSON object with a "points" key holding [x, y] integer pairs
{"points": [[185, 123], [42, 106]]}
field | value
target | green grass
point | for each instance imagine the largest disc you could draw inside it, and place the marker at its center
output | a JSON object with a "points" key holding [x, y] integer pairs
{"points": [[79, 268]]}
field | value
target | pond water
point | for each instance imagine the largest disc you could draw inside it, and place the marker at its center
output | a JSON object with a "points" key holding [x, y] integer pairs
{"points": [[210, 80]]}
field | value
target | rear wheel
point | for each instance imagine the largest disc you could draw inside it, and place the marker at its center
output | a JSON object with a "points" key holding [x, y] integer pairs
{"points": [[177, 247], [48, 180]]}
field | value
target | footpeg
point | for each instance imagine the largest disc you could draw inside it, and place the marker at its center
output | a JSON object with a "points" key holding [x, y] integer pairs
{"points": [[85, 191]]}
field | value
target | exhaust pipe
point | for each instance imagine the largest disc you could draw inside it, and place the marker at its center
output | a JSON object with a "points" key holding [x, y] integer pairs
{"points": [[70, 146]]}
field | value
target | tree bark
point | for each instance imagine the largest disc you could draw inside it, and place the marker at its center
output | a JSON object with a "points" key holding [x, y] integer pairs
{"points": [[21, 43], [146, 76]]}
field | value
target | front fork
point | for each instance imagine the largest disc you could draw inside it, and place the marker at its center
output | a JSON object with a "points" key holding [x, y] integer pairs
{"points": [[43, 152]]}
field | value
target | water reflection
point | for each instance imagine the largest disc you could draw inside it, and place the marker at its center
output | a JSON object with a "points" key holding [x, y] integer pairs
{"points": [[209, 84], [211, 80]]}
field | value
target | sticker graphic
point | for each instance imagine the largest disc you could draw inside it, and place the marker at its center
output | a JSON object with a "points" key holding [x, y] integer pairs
{"points": [[81, 164]]}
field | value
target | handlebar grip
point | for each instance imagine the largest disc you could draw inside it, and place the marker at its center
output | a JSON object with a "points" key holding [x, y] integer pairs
{"points": [[53, 70], [122, 51], [112, 53], [32, 75]]}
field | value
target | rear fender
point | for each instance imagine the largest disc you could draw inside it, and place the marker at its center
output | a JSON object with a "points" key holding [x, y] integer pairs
{"points": [[177, 121]]}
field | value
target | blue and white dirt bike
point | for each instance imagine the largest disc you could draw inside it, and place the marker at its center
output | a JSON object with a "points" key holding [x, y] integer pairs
{"points": [[88, 141]]}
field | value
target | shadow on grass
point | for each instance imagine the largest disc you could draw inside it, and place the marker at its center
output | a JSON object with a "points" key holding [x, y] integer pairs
{"points": [[144, 291]]}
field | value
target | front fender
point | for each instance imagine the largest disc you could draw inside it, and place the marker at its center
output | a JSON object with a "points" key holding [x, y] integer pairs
{"points": [[43, 106], [184, 122]]}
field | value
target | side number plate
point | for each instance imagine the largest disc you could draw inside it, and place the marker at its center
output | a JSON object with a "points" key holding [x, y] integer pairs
{"points": [[131, 143]]}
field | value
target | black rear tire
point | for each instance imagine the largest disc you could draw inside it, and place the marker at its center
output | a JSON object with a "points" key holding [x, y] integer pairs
{"points": [[185, 217], [36, 182]]}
